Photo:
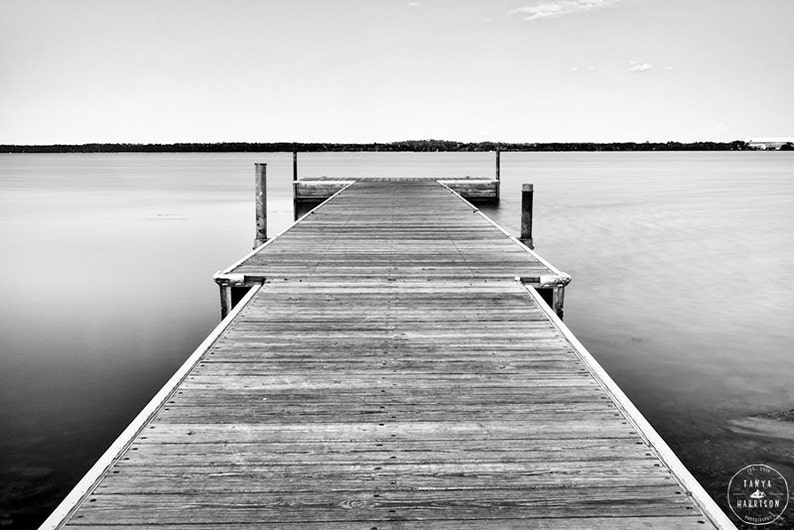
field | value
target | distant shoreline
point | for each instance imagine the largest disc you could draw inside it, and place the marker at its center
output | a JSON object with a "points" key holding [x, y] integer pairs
{"points": [[408, 145]]}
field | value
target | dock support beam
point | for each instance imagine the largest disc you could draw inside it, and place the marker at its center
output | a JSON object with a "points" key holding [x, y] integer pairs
{"points": [[527, 192], [261, 205]]}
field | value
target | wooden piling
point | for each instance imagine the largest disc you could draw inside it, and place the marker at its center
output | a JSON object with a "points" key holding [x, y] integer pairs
{"points": [[261, 205], [498, 164], [226, 299], [558, 299], [527, 192], [294, 186]]}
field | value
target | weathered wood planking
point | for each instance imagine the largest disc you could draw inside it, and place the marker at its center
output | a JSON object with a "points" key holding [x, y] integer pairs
{"points": [[401, 392], [398, 228], [348, 404]]}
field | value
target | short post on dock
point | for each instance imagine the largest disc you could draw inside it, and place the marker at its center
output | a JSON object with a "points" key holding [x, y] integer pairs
{"points": [[261, 205], [294, 183], [498, 173]]}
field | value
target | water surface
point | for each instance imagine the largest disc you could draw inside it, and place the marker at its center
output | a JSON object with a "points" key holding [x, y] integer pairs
{"points": [[682, 267]]}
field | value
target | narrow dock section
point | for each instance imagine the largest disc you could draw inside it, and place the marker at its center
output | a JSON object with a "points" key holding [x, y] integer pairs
{"points": [[395, 229], [399, 228], [387, 368]]}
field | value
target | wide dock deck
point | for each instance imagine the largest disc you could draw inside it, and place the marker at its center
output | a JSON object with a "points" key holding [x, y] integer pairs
{"points": [[387, 362]]}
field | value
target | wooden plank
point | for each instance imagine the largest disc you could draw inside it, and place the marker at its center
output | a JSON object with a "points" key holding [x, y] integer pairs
{"points": [[611, 523], [224, 508]]}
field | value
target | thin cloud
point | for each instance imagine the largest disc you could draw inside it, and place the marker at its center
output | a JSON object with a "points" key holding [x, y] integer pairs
{"points": [[640, 67], [561, 8]]}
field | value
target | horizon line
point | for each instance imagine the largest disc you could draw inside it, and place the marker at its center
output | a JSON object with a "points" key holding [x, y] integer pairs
{"points": [[396, 142]]}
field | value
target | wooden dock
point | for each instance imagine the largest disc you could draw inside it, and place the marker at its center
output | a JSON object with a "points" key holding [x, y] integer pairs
{"points": [[390, 362]]}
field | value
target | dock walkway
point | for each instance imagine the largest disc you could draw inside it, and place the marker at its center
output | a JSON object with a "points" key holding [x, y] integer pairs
{"points": [[391, 365]]}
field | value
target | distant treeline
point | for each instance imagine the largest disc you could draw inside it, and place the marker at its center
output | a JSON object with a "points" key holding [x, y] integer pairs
{"points": [[407, 145]]}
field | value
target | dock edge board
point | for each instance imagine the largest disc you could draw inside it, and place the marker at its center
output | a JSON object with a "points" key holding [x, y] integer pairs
{"points": [[688, 482], [94, 475]]}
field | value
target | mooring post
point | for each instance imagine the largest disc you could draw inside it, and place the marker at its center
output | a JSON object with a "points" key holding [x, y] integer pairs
{"points": [[261, 205], [498, 172], [294, 183], [226, 299], [527, 192], [558, 299]]}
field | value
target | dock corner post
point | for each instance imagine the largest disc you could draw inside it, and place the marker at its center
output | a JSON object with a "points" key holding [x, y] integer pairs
{"points": [[558, 299], [527, 192], [261, 205], [226, 299], [294, 164]]}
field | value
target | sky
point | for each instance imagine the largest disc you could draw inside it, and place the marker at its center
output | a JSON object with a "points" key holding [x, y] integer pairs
{"points": [[161, 71]]}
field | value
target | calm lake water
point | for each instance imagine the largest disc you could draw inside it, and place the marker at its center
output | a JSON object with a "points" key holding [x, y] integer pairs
{"points": [[682, 267]]}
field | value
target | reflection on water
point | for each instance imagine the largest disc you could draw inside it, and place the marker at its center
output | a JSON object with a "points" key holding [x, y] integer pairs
{"points": [[681, 264]]}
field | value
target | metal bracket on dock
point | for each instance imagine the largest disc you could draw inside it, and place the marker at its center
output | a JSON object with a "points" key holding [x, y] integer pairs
{"points": [[229, 278], [551, 280], [546, 280]]}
